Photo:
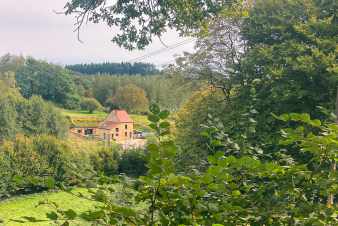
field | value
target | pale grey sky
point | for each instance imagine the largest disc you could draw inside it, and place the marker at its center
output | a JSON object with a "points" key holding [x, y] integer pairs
{"points": [[31, 28]]}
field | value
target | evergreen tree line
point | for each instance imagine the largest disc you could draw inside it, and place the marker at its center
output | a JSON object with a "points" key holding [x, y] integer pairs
{"points": [[115, 68]]}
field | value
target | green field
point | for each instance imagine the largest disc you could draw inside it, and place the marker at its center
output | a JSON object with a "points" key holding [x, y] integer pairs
{"points": [[14, 211]]}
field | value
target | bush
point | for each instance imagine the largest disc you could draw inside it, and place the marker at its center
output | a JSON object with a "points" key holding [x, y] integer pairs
{"points": [[133, 163], [105, 161], [34, 164]]}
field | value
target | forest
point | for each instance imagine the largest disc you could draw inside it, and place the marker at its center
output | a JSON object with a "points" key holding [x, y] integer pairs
{"points": [[244, 128], [115, 68]]}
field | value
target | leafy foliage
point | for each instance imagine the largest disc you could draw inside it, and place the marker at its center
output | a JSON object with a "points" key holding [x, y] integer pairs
{"points": [[90, 104], [30, 117], [133, 163], [131, 98], [53, 83], [141, 21], [234, 190]]}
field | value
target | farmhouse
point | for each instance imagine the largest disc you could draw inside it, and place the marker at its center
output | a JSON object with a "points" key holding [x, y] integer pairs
{"points": [[118, 127]]}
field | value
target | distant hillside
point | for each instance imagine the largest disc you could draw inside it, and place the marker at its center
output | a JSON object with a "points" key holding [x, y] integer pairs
{"points": [[115, 68]]}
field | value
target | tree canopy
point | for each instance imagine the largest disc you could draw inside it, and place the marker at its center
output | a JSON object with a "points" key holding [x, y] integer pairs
{"points": [[141, 21], [131, 98]]}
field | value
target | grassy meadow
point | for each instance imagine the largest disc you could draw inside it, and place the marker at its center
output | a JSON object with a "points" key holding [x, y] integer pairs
{"points": [[13, 211]]}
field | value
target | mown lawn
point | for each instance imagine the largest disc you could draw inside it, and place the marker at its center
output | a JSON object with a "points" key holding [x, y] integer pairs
{"points": [[13, 211]]}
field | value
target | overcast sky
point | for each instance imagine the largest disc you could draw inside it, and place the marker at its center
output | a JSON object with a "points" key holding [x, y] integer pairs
{"points": [[30, 27]]}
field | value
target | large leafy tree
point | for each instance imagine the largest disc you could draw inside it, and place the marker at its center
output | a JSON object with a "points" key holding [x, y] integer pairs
{"points": [[280, 58], [51, 82], [290, 65], [131, 98]]}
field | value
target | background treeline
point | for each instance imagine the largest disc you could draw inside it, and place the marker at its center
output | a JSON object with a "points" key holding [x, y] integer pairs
{"points": [[115, 68], [69, 90]]}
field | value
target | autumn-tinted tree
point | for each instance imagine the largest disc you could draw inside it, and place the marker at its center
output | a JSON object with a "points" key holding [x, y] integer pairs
{"points": [[131, 98], [189, 121]]}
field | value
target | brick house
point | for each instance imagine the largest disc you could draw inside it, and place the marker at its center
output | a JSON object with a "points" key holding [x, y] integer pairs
{"points": [[118, 126]]}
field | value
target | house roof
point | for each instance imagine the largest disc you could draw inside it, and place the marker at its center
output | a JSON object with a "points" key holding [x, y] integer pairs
{"points": [[114, 118]]}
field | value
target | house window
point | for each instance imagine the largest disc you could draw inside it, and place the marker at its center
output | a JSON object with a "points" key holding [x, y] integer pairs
{"points": [[126, 126], [116, 135], [126, 134], [112, 136], [89, 131], [104, 136], [131, 135], [79, 131], [117, 130]]}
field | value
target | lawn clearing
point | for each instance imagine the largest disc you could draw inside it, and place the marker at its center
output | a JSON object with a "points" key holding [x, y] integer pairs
{"points": [[13, 210]]}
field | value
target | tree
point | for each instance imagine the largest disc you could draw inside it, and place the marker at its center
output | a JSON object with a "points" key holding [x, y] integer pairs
{"points": [[141, 21], [90, 104], [132, 98], [189, 121], [270, 61], [51, 82]]}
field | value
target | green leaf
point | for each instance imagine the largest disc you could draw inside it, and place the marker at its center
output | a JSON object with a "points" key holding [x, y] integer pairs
{"points": [[153, 126], [155, 109], [65, 224], [52, 216], [152, 147], [164, 114], [236, 193], [164, 125], [70, 214], [153, 118]]}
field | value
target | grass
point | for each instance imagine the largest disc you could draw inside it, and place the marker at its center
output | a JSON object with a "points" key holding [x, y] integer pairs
{"points": [[141, 122], [14, 210]]}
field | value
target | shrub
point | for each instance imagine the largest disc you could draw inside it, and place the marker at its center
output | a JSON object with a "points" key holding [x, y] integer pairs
{"points": [[32, 164], [133, 163], [105, 161]]}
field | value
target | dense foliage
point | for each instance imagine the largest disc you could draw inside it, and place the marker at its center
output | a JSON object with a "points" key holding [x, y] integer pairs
{"points": [[90, 105], [31, 164], [131, 98], [279, 58], [115, 68], [51, 82], [168, 91], [234, 190], [28, 116]]}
